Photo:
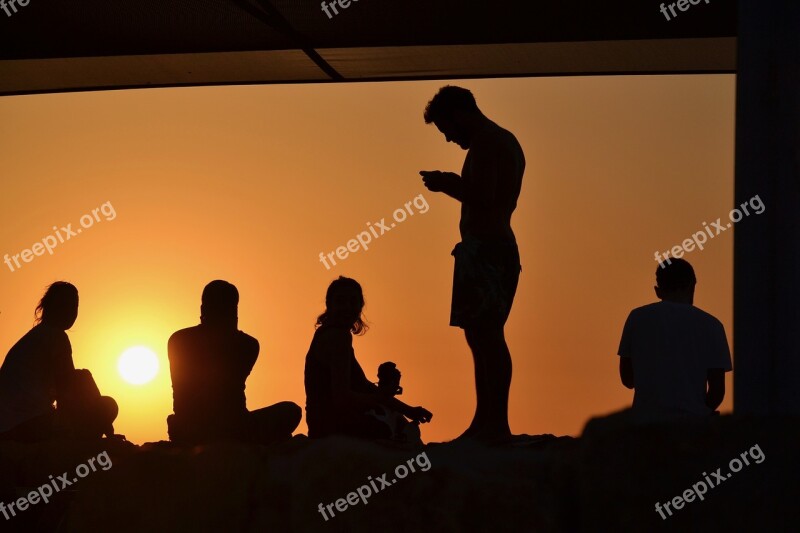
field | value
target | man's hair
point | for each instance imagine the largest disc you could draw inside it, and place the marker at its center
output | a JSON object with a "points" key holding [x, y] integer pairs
{"points": [[220, 299], [678, 274], [449, 99]]}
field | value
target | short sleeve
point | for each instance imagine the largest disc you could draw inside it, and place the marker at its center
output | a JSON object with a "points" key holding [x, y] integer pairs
{"points": [[626, 342], [719, 354]]}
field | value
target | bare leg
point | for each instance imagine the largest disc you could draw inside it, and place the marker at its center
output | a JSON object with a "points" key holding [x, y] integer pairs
{"points": [[493, 361], [273, 423], [481, 385]]}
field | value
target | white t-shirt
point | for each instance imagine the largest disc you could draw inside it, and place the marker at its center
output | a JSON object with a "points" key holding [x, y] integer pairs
{"points": [[672, 346]]}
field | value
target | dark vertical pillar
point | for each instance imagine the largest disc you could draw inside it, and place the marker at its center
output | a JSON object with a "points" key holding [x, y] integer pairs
{"points": [[767, 246]]}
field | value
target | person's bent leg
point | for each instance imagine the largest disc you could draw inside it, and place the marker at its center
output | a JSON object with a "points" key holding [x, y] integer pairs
{"points": [[38, 429], [363, 426], [95, 419], [273, 423], [108, 410]]}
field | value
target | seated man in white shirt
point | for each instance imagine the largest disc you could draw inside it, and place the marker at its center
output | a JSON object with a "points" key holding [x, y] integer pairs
{"points": [[673, 354]]}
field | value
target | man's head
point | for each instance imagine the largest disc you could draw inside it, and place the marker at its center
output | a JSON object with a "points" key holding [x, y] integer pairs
{"points": [[454, 112], [219, 304], [675, 281]]}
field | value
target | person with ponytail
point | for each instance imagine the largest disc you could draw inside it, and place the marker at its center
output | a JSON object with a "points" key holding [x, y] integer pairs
{"points": [[338, 393], [39, 371]]}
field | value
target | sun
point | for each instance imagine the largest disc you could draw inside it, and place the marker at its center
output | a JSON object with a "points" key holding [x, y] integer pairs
{"points": [[138, 365]]}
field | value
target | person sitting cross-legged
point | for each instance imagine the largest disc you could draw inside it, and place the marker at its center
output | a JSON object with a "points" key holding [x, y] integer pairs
{"points": [[339, 397], [209, 364], [39, 371]]}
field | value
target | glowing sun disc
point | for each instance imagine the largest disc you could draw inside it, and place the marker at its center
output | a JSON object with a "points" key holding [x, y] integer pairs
{"points": [[138, 365]]}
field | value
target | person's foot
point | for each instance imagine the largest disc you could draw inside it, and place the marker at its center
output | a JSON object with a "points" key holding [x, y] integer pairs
{"points": [[497, 437], [468, 434]]}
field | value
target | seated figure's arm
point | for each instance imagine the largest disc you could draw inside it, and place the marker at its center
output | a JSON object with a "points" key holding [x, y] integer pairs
{"points": [[626, 351], [342, 388], [249, 354], [63, 368], [716, 387]]}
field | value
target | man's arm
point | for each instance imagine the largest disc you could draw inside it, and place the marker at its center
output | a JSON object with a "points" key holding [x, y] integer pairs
{"points": [[717, 365], [250, 350], [449, 183], [716, 387], [626, 371]]}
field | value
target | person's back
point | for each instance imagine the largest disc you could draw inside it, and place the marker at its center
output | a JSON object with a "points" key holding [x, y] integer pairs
{"points": [[39, 371], [673, 354], [321, 410], [493, 168], [35, 369], [209, 367], [672, 346]]}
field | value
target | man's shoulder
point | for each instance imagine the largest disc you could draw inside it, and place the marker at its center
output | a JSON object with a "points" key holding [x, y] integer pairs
{"points": [[199, 331], [247, 340], [185, 333], [675, 309], [646, 310], [706, 317], [498, 137]]}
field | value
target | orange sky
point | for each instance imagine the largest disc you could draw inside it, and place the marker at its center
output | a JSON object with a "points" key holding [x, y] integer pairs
{"points": [[250, 184]]}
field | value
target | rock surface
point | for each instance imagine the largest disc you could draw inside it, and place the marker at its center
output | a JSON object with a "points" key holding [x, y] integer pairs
{"points": [[608, 480]]}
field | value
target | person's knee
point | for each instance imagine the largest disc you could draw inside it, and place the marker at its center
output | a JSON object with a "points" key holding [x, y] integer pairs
{"points": [[295, 414], [108, 408], [290, 412], [484, 335]]}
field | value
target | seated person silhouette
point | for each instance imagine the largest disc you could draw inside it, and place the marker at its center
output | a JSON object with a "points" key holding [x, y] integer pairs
{"points": [[338, 393], [673, 354], [389, 387], [209, 364], [39, 370]]}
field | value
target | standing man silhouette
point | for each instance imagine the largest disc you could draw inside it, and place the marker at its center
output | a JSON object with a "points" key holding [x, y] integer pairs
{"points": [[487, 263]]}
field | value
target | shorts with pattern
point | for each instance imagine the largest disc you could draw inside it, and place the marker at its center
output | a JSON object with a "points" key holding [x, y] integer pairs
{"points": [[485, 279]]}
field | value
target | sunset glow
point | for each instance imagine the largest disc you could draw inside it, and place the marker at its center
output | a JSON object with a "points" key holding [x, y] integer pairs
{"points": [[138, 365]]}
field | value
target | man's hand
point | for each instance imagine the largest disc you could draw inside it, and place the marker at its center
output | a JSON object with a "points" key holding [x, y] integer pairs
{"points": [[438, 181], [419, 414]]}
